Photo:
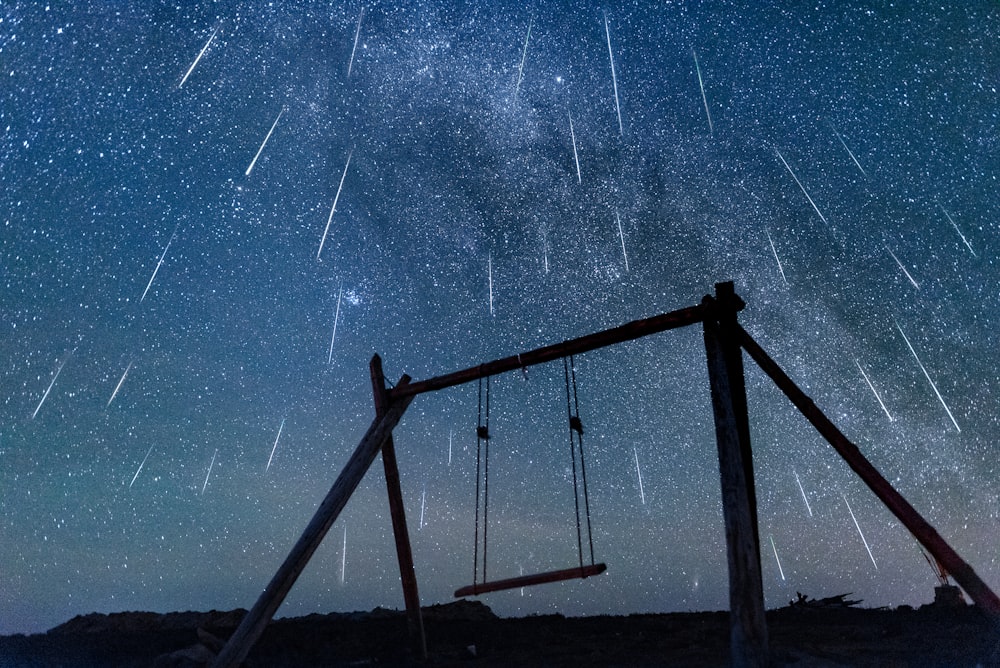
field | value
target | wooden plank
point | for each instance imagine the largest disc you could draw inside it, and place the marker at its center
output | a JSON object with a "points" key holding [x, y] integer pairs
{"points": [[577, 572], [404, 554], [964, 575], [255, 621], [748, 625], [627, 332]]}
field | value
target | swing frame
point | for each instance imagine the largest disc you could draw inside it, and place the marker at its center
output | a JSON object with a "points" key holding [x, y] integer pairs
{"points": [[725, 342]]}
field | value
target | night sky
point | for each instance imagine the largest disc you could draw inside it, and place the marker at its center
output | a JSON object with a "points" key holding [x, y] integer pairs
{"points": [[174, 403]]}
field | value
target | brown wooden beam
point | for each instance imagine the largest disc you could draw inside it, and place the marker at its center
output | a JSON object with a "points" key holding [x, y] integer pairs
{"points": [[255, 621], [978, 591], [577, 572], [404, 554], [748, 625], [627, 332]]}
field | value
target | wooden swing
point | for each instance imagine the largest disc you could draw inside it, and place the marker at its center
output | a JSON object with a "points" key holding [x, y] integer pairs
{"points": [[483, 473]]}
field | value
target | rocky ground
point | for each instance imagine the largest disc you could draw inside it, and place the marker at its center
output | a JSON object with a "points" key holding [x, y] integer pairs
{"points": [[468, 634]]}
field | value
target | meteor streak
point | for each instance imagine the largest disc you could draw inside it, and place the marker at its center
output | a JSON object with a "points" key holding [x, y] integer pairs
{"points": [[859, 531], [423, 504], [780, 268], [701, 85], [334, 207], [524, 52], [928, 377], [159, 262], [336, 317], [197, 58], [264, 143], [804, 497], [357, 34], [576, 158], [489, 270], [642, 494], [802, 188], [119, 385], [343, 557], [849, 152], [964, 240], [614, 77], [140, 467], [275, 447], [780, 569], [49, 388], [209, 471], [622, 236], [874, 391], [900, 264]]}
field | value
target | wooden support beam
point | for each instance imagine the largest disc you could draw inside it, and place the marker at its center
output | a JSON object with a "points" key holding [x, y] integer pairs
{"points": [[404, 554], [748, 625], [577, 572], [964, 575], [627, 332], [255, 621]]}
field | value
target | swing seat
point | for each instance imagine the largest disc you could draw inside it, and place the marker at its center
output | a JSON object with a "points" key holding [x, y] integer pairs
{"points": [[580, 572]]}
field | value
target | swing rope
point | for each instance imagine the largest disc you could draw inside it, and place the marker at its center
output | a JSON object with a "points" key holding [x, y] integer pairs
{"points": [[482, 444], [576, 444]]}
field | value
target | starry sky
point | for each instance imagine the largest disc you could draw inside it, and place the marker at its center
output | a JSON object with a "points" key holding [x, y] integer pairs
{"points": [[186, 326]]}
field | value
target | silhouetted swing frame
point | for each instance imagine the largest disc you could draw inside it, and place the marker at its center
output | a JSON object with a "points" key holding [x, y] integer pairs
{"points": [[725, 343]]}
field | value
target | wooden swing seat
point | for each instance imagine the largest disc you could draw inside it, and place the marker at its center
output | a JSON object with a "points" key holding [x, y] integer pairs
{"points": [[580, 572]]}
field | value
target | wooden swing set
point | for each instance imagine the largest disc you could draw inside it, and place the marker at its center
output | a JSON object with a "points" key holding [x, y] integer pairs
{"points": [[725, 343]]}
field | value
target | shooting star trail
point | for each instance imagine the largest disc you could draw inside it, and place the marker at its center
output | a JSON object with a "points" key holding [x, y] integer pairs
{"points": [[333, 208], [198, 57], [51, 383], [158, 263], [870, 556], [264, 143], [801, 489], [576, 158], [423, 504], [140, 467], [343, 557], [780, 569], [275, 446], [621, 235], [489, 273], [849, 152], [524, 53], [642, 493], [336, 318], [900, 265], [781, 269], [928, 377], [874, 391], [209, 472], [964, 240], [802, 188], [357, 34], [614, 77], [451, 433], [701, 85], [119, 385]]}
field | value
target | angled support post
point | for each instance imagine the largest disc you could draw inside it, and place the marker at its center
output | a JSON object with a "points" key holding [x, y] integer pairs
{"points": [[407, 574], [255, 621], [748, 625]]}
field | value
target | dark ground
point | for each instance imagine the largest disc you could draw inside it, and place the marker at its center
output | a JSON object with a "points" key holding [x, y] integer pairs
{"points": [[468, 634]]}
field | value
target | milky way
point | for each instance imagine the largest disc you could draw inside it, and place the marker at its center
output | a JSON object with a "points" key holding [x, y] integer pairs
{"points": [[504, 189]]}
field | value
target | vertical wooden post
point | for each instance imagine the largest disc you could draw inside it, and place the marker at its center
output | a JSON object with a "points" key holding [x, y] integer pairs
{"points": [[407, 575], [255, 621], [748, 625]]}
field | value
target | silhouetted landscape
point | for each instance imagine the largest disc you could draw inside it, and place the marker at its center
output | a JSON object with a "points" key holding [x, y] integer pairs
{"points": [[828, 632]]}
